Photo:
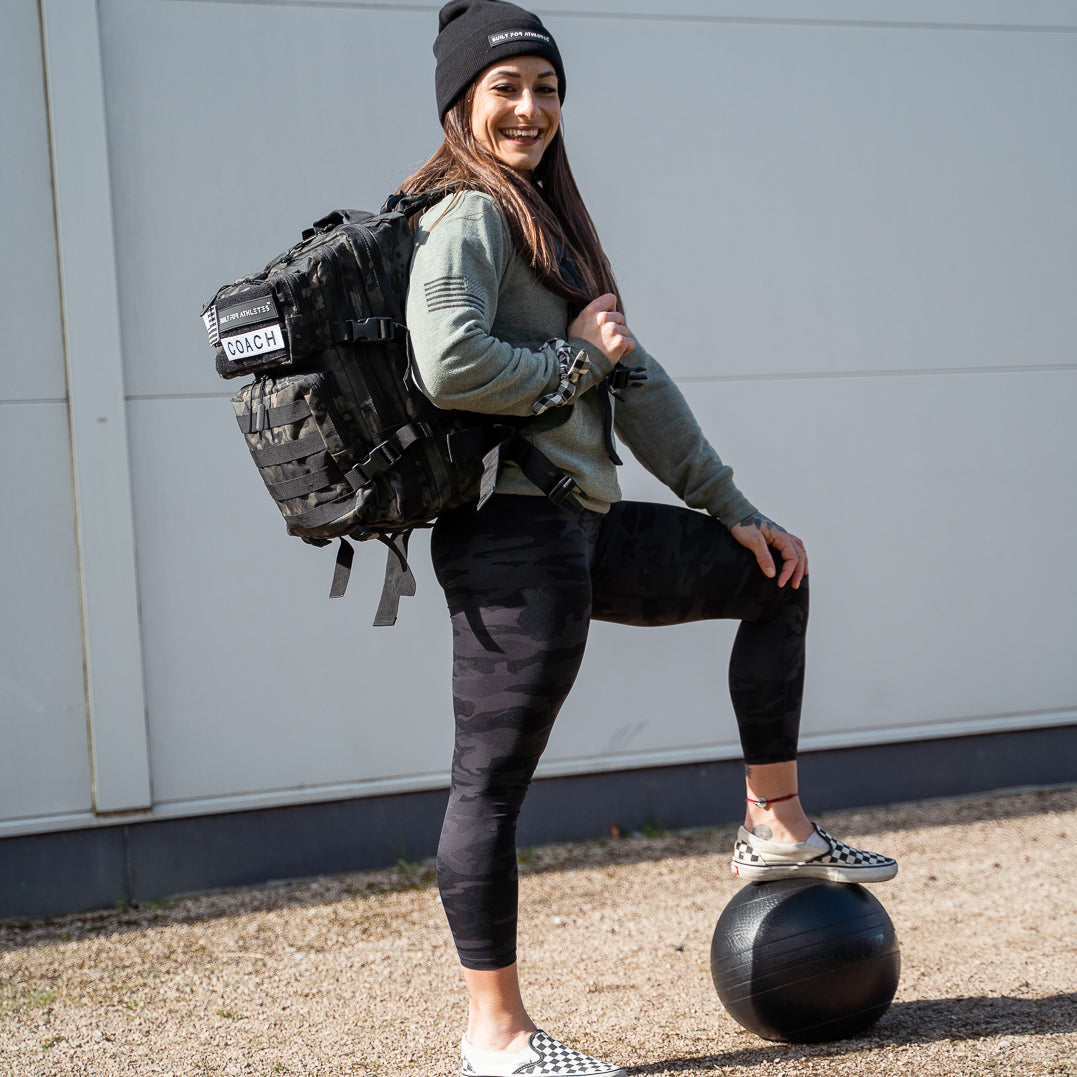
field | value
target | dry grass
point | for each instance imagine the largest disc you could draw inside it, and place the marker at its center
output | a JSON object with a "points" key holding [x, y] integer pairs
{"points": [[356, 974]]}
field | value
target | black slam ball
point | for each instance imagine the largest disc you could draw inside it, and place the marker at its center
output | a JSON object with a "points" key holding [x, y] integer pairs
{"points": [[805, 961]]}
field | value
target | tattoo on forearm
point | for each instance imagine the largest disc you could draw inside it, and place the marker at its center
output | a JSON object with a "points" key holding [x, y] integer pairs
{"points": [[759, 521]]}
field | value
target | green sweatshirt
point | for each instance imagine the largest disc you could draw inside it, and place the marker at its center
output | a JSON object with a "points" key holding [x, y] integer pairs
{"points": [[485, 334]]}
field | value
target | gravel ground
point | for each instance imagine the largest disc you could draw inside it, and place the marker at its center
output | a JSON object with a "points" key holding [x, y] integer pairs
{"points": [[356, 974]]}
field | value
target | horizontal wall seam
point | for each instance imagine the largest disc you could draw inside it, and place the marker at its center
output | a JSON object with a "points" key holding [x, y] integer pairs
{"points": [[824, 375], [636, 16], [851, 24], [842, 375]]}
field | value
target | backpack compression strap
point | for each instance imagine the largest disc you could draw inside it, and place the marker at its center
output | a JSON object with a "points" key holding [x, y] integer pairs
{"points": [[609, 389], [556, 484], [399, 579]]}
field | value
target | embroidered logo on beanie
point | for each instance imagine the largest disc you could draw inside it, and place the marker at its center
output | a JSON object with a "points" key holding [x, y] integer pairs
{"points": [[506, 37]]}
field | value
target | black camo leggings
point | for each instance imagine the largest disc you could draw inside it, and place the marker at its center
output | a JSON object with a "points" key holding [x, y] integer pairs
{"points": [[523, 580]]}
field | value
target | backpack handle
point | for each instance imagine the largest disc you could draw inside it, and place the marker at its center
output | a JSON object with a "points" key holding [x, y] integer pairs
{"points": [[331, 220], [407, 204]]}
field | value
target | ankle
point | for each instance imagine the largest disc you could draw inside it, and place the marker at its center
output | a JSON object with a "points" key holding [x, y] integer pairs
{"points": [[778, 821], [497, 1019], [492, 1036]]}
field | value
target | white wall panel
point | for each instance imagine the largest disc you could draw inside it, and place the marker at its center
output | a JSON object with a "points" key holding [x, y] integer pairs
{"points": [[925, 502], [830, 198], [811, 151], [44, 755], [254, 122], [256, 680], [29, 298], [85, 232], [932, 509], [742, 201]]}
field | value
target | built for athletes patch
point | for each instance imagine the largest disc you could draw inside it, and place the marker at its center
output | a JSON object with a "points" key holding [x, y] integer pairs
{"points": [[252, 308], [511, 37]]}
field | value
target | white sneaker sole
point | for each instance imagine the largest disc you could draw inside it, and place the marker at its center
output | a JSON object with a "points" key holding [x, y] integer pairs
{"points": [[835, 873]]}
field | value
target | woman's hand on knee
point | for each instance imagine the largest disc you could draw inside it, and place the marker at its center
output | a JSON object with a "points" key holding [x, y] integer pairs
{"points": [[602, 325], [759, 535]]}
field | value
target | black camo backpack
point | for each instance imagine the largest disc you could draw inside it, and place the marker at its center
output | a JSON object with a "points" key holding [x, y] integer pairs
{"points": [[345, 442]]}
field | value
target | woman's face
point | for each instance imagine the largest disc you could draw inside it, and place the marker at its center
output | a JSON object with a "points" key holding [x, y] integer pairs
{"points": [[516, 110]]}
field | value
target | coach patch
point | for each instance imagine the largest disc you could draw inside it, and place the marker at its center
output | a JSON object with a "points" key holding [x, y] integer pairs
{"points": [[240, 346]]}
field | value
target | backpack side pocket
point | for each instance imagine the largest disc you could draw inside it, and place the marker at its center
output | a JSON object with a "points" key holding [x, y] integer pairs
{"points": [[299, 439]]}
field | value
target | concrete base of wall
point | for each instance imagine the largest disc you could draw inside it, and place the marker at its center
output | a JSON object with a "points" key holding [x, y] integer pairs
{"points": [[72, 871]]}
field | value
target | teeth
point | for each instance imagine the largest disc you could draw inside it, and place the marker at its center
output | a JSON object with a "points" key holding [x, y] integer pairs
{"points": [[521, 132]]}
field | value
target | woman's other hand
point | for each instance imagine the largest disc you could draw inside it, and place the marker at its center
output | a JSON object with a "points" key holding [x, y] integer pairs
{"points": [[601, 324], [758, 534]]}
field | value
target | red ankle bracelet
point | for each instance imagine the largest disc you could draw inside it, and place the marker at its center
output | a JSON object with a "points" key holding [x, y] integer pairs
{"points": [[767, 801]]}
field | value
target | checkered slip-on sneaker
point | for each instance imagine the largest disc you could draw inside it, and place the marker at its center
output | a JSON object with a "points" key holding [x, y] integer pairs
{"points": [[542, 1057], [759, 861]]}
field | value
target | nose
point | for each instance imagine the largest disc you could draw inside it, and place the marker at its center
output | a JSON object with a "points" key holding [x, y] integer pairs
{"points": [[527, 105]]}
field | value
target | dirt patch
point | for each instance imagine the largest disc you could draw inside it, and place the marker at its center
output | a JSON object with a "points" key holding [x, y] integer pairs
{"points": [[356, 974]]}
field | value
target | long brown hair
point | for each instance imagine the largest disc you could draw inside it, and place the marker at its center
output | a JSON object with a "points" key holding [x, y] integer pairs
{"points": [[546, 217]]}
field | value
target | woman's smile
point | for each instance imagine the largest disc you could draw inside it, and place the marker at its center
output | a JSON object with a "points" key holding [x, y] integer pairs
{"points": [[515, 111], [520, 134]]}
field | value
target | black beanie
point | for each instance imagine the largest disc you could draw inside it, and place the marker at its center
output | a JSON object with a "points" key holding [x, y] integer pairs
{"points": [[473, 34]]}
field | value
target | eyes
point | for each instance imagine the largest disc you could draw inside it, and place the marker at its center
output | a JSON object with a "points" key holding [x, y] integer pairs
{"points": [[511, 89]]}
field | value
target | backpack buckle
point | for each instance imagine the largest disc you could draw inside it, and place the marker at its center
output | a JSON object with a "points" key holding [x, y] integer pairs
{"points": [[368, 329], [379, 459], [385, 454], [626, 378], [563, 489]]}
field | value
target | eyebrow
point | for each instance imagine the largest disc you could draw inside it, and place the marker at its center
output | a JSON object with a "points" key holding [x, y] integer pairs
{"points": [[515, 72]]}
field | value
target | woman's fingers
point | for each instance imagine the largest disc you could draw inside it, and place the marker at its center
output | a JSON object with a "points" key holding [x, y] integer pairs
{"points": [[615, 334], [753, 539], [620, 344], [802, 564], [603, 325], [794, 558], [761, 535], [602, 303]]}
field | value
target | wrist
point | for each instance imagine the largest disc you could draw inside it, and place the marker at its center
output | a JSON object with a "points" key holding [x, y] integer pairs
{"points": [[600, 363]]}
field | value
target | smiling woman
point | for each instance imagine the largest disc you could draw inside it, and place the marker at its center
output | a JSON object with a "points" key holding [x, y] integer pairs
{"points": [[500, 84], [513, 311]]}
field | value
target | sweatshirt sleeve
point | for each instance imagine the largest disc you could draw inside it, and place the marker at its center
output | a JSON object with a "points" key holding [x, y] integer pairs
{"points": [[656, 423], [463, 256]]}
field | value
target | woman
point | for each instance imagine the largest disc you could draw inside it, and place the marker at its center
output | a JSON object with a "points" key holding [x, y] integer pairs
{"points": [[514, 310]]}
